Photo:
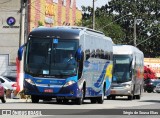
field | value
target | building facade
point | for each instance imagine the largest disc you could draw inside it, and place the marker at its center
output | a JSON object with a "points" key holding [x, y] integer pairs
{"points": [[48, 13], [9, 28], [53, 13]]}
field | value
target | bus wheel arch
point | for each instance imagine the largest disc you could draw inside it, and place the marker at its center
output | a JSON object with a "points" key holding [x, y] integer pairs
{"points": [[100, 99], [79, 101]]}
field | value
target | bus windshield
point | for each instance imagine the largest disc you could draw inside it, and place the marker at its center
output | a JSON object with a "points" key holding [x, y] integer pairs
{"points": [[46, 58], [122, 68]]}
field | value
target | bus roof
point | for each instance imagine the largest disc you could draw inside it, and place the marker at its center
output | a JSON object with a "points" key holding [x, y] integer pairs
{"points": [[71, 32], [48, 32], [125, 49]]}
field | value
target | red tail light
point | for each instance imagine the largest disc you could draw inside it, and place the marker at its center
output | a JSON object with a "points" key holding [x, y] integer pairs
{"points": [[14, 85]]}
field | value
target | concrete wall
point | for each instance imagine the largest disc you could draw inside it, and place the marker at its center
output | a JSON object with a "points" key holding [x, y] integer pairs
{"points": [[9, 36]]}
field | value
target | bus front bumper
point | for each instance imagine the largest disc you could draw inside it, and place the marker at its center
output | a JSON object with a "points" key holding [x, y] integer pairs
{"points": [[69, 92], [121, 91]]}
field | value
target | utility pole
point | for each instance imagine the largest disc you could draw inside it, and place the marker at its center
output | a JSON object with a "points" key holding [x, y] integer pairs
{"points": [[22, 23], [134, 34], [93, 17], [22, 41]]}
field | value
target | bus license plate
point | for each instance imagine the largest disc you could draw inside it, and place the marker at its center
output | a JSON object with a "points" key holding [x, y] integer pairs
{"points": [[48, 90]]}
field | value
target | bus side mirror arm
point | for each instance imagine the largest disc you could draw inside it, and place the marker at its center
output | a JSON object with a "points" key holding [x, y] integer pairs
{"points": [[78, 55], [20, 52]]}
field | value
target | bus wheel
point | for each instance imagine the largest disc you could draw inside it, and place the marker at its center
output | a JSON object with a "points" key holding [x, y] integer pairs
{"points": [[113, 97], [93, 100], [59, 101], [79, 101], [35, 99], [3, 99], [130, 97], [109, 97], [100, 100], [138, 97], [65, 101]]}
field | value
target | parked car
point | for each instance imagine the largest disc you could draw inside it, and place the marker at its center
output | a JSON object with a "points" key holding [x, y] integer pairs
{"points": [[2, 95], [150, 85], [8, 84], [12, 78], [157, 89]]}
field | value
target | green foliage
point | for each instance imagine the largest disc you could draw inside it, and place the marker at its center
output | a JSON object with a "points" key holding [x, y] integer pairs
{"points": [[40, 23], [147, 12], [116, 20], [101, 23]]}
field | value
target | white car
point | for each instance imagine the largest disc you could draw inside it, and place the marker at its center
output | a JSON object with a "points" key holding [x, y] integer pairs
{"points": [[8, 84], [157, 88]]}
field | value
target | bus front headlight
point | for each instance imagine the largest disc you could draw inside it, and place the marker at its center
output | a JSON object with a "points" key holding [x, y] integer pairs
{"points": [[69, 83], [30, 81], [127, 85]]}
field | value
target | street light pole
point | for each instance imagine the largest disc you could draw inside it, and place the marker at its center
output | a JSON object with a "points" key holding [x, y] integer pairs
{"points": [[93, 17], [22, 24], [22, 41], [135, 34]]}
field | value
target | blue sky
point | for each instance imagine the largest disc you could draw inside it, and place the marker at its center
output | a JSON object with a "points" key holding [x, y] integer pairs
{"points": [[98, 3]]}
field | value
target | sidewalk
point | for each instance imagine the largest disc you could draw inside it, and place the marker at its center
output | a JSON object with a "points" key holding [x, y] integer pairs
{"points": [[17, 100]]}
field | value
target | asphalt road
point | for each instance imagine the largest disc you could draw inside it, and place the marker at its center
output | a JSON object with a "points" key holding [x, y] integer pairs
{"points": [[121, 107]]}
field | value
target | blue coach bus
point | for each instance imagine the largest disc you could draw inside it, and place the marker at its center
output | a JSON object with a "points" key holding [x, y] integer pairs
{"points": [[67, 63]]}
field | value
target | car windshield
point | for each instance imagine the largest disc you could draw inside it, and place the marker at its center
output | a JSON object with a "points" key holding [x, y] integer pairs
{"points": [[47, 58], [7, 79], [122, 68], [11, 78]]}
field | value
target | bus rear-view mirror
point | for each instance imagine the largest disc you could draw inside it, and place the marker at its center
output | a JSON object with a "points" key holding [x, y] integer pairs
{"points": [[78, 55], [20, 52]]}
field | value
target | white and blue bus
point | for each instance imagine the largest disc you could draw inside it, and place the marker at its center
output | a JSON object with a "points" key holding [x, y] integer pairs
{"points": [[67, 63], [128, 71]]}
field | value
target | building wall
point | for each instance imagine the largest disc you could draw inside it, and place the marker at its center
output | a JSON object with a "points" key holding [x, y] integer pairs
{"points": [[154, 64], [9, 35], [53, 12], [38, 11]]}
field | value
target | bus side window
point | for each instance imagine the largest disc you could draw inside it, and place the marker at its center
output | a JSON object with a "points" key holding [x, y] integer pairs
{"points": [[93, 53], [97, 53], [87, 54], [102, 54], [106, 55], [111, 55]]}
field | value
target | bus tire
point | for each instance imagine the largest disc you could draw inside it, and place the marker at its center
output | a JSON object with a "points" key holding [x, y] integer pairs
{"points": [[100, 100], [34, 98], [109, 97], [113, 97], [79, 101], [65, 101], [3, 99], [130, 97], [138, 97], [59, 101], [93, 100]]}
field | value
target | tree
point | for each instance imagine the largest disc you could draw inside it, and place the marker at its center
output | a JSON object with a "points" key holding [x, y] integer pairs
{"points": [[147, 12], [120, 14], [102, 20]]}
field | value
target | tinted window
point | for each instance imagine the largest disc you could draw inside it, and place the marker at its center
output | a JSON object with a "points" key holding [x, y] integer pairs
{"points": [[11, 78]]}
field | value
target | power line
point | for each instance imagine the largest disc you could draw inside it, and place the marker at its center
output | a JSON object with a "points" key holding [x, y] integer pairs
{"points": [[148, 38], [114, 21]]}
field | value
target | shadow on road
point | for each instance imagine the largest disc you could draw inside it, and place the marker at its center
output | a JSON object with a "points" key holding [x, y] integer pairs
{"points": [[154, 101]]}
